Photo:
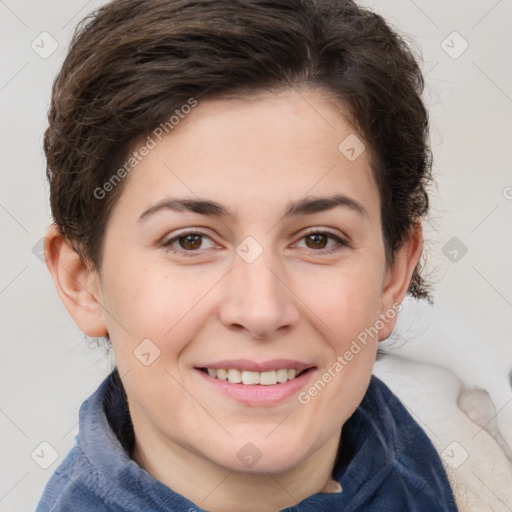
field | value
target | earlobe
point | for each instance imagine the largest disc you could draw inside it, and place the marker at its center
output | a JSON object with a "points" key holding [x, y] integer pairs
{"points": [[398, 278], [76, 284]]}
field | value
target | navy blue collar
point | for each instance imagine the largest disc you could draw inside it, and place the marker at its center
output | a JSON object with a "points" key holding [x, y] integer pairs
{"points": [[385, 461]]}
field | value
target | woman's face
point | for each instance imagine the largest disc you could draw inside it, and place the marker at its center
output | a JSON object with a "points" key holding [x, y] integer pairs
{"points": [[248, 242]]}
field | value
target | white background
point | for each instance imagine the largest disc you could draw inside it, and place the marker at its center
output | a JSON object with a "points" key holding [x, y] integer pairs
{"points": [[47, 368]]}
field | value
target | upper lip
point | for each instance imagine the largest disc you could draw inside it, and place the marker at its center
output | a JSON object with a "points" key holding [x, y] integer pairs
{"points": [[253, 366]]}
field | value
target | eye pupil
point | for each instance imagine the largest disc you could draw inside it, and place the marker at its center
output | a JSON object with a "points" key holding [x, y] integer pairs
{"points": [[319, 241], [190, 241]]}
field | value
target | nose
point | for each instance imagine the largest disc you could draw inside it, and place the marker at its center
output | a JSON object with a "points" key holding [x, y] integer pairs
{"points": [[257, 299]]}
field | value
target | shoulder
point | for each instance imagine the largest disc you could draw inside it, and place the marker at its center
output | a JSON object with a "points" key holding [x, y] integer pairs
{"points": [[406, 467], [98, 474], [84, 479], [72, 487]]}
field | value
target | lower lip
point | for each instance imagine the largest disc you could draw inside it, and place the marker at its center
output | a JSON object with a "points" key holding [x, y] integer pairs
{"points": [[256, 394]]}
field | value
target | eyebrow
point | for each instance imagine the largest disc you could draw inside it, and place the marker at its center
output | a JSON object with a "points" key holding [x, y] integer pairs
{"points": [[306, 206]]}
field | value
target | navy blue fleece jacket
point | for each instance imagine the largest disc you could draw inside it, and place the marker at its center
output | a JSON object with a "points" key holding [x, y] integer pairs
{"points": [[385, 463]]}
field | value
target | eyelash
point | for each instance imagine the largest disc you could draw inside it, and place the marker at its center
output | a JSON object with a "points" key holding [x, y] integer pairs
{"points": [[340, 243]]}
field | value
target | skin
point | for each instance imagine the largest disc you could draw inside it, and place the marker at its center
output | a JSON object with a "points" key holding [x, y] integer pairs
{"points": [[294, 301]]}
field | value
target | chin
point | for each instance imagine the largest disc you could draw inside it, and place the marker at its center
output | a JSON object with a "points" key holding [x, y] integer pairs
{"points": [[273, 465], [262, 456]]}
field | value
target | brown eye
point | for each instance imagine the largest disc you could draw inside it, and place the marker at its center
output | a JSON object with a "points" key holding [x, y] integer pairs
{"points": [[322, 242], [316, 241], [190, 242]]}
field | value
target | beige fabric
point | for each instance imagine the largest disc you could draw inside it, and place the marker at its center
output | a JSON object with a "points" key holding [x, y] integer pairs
{"points": [[478, 470]]}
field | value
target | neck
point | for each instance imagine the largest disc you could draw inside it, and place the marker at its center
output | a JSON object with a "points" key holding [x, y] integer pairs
{"points": [[218, 489]]}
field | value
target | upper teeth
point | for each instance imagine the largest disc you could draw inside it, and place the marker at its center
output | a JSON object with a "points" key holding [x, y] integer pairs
{"points": [[245, 377]]}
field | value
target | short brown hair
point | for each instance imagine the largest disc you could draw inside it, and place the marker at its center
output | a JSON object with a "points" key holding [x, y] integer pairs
{"points": [[134, 62]]}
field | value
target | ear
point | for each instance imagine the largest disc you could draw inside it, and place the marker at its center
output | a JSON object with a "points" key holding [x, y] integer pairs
{"points": [[76, 284], [398, 278]]}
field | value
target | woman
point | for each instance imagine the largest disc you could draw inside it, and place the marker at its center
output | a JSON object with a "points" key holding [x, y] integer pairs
{"points": [[237, 191]]}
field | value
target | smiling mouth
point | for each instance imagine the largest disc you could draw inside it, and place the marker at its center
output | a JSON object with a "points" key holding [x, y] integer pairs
{"points": [[267, 378]]}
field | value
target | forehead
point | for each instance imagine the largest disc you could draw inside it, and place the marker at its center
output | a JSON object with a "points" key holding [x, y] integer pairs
{"points": [[263, 150]]}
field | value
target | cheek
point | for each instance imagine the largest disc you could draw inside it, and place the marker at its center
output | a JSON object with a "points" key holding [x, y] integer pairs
{"points": [[347, 300], [350, 332], [349, 306], [149, 302]]}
